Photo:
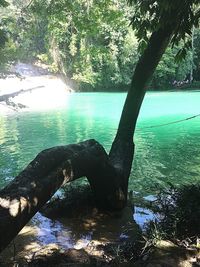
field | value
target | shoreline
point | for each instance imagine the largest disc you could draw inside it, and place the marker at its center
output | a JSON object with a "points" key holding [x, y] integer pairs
{"points": [[49, 91], [44, 97]]}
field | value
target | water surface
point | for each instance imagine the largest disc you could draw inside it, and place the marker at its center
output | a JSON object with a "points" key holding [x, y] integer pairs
{"points": [[163, 154]]}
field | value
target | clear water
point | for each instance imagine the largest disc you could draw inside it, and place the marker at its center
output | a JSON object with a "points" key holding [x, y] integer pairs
{"points": [[164, 154]]}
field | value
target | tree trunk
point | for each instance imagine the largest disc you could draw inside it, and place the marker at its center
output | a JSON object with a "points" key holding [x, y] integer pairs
{"points": [[122, 150], [52, 168]]}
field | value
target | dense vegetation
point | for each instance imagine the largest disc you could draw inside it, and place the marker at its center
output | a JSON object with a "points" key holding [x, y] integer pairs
{"points": [[89, 41]]}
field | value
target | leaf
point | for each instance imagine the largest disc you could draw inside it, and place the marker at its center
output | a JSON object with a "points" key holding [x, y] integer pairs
{"points": [[180, 55], [188, 44], [142, 45], [4, 3], [3, 38]]}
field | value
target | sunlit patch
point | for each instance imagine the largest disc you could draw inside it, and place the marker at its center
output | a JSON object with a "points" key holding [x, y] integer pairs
{"points": [[23, 203], [14, 206], [35, 201], [36, 247], [4, 203], [44, 92], [33, 184], [68, 173], [53, 94], [29, 230], [82, 243]]}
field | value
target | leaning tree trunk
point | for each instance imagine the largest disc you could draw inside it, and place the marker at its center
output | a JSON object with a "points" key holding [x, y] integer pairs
{"points": [[122, 150], [52, 168], [107, 175]]}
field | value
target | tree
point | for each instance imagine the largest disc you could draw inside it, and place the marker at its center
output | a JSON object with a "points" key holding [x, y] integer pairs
{"points": [[196, 55], [157, 23], [3, 36], [87, 41], [169, 22], [168, 70]]}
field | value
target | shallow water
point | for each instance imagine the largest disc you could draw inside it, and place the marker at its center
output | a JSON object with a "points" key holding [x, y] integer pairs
{"points": [[164, 153]]}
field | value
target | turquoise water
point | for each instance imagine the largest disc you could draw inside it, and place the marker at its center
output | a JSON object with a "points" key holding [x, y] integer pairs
{"points": [[164, 154]]}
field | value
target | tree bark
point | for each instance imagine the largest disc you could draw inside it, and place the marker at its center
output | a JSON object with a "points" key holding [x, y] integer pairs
{"points": [[52, 168], [122, 150]]}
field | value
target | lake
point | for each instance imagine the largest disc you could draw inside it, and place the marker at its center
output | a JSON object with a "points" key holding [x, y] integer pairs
{"points": [[167, 143], [164, 153]]}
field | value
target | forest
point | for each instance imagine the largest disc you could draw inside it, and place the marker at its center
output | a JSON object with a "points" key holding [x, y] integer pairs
{"points": [[90, 42]]}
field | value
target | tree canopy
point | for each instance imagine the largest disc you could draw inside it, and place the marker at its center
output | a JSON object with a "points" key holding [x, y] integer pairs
{"points": [[151, 14], [92, 43]]}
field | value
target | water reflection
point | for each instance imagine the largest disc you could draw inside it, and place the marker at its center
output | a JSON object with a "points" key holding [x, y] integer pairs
{"points": [[53, 231], [89, 231], [143, 215]]}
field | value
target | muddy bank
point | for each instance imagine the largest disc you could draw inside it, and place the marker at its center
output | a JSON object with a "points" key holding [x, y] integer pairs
{"points": [[78, 234], [74, 226]]}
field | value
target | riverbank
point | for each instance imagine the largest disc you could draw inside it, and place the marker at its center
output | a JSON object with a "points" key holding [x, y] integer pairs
{"points": [[103, 239], [87, 237]]}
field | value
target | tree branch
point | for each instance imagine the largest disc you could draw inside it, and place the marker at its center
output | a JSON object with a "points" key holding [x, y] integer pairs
{"points": [[22, 91]]}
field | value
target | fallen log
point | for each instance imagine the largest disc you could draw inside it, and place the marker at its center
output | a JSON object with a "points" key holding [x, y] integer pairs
{"points": [[6, 97], [51, 169]]}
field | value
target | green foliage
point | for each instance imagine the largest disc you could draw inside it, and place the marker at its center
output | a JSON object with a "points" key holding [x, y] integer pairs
{"points": [[196, 54], [179, 211], [4, 3], [24, 30], [87, 39], [180, 15], [169, 71], [3, 37], [91, 41]]}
